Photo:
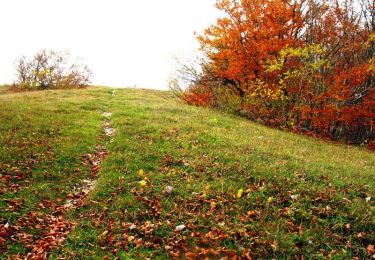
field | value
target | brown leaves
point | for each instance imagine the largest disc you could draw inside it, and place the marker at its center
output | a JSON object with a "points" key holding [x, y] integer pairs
{"points": [[169, 161], [70, 196], [370, 249], [6, 231], [13, 204], [57, 230], [48, 226], [147, 228]]}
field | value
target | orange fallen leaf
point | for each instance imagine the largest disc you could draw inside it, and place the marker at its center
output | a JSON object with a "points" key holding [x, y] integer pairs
{"points": [[370, 249], [251, 213]]}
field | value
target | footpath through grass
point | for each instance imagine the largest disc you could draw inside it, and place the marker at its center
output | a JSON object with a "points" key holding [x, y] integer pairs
{"points": [[187, 182], [44, 137]]}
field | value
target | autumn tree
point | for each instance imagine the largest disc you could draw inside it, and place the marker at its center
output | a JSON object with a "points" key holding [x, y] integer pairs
{"points": [[51, 70], [252, 32], [303, 64]]}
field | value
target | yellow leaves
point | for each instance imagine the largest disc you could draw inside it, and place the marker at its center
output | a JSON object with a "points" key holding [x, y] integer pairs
{"points": [[275, 65], [264, 91], [141, 173], [309, 56], [239, 193], [303, 53], [371, 66], [105, 233], [372, 37], [270, 200], [143, 183]]}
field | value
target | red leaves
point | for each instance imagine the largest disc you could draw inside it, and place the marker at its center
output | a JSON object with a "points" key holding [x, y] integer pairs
{"points": [[198, 99], [54, 230], [5, 233], [322, 84], [13, 204], [56, 227], [371, 145], [56, 233], [239, 45], [44, 227]]}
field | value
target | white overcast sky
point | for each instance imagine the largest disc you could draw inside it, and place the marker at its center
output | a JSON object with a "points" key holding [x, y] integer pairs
{"points": [[125, 42]]}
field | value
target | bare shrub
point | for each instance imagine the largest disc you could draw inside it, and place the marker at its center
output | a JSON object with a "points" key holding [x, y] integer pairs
{"points": [[49, 69]]}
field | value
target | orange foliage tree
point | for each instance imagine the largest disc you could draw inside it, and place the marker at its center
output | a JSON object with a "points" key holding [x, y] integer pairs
{"points": [[307, 65]]}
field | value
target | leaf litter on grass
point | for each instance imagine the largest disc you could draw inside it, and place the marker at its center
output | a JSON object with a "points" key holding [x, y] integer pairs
{"points": [[286, 206], [54, 228]]}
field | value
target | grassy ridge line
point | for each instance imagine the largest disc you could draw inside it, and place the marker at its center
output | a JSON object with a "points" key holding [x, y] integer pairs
{"points": [[301, 196], [43, 136]]}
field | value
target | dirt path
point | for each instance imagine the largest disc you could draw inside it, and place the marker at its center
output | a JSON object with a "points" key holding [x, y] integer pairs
{"points": [[58, 227]]}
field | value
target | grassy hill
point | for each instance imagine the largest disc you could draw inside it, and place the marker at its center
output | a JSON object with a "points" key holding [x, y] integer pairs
{"points": [[175, 181]]}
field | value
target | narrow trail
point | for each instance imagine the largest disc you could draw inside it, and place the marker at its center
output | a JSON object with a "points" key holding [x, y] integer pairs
{"points": [[81, 191], [59, 226]]}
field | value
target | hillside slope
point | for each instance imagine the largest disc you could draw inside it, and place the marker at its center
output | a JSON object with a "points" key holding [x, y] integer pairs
{"points": [[177, 181]]}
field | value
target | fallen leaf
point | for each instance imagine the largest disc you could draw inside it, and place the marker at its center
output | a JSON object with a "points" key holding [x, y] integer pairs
{"points": [[370, 249], [104, 233], [251, 213], [143, 183], [190, 255], [239, 193]]}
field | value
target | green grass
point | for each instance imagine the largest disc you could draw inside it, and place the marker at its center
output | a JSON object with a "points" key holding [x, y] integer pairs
{"points": [[42, 138], [301, 196]]}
